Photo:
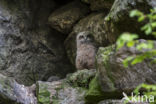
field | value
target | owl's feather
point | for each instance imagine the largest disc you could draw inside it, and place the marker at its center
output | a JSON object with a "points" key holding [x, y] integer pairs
{"points": [[86, 51]]}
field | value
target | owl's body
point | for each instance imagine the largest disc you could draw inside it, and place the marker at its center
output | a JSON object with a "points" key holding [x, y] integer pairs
{"points": [[86, 51]]}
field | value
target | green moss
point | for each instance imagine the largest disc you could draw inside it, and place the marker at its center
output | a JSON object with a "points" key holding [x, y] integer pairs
{"points": [[107, 18], [103, 64], [94, 93], [55, 100], [5, 84], [43, 95], [106, 52], [59, 100], [81, 78]]}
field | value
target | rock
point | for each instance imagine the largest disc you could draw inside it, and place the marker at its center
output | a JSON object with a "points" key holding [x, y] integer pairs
{"points": [[70, 90], [44, 10], [126, 6], [53, 78], [92, 23], [86, 1], [119, 21], [46, 91], [115, 78], [97, 5], [59, 92], [70, 95], [106, 29], [64, 19], [81, 78], [94, 94], [13, 93], [29, 49]]}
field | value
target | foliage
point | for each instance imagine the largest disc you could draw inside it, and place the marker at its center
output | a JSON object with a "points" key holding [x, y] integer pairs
{"points": [[130, 40], [147, 95], [126, 38], [148, 90]]}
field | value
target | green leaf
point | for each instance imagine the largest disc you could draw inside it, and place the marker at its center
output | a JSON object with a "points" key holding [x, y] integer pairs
{"points": [[147, 45], [141, 18], [120, 43], [136, 91], [148, 31], [153, 24], [154, 33], [138, 59], [126, 38], [142, 46], [127, 60], [150, 44], [150, 16], [130, 43], [145, 27], [134, 13], [154, 17]]}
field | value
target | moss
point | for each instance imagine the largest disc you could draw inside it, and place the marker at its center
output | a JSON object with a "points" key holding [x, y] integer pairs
{"points": [[55, 100], [94, 93], [43, 95], [5, 84], [107, 18], [81, 78], [105, 54]]}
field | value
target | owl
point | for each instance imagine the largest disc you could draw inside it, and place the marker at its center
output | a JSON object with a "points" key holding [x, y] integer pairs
{"points": [[86, 51]]}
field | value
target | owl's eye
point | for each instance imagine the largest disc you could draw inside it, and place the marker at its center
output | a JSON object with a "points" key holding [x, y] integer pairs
{"points": [[81, 37], [90, 37]]}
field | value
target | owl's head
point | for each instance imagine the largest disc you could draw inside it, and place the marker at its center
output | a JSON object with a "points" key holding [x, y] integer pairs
{"points": [[84, 37]]}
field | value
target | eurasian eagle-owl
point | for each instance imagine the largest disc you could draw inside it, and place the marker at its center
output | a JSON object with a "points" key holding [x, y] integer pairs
{"points": [[86, 51]]}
